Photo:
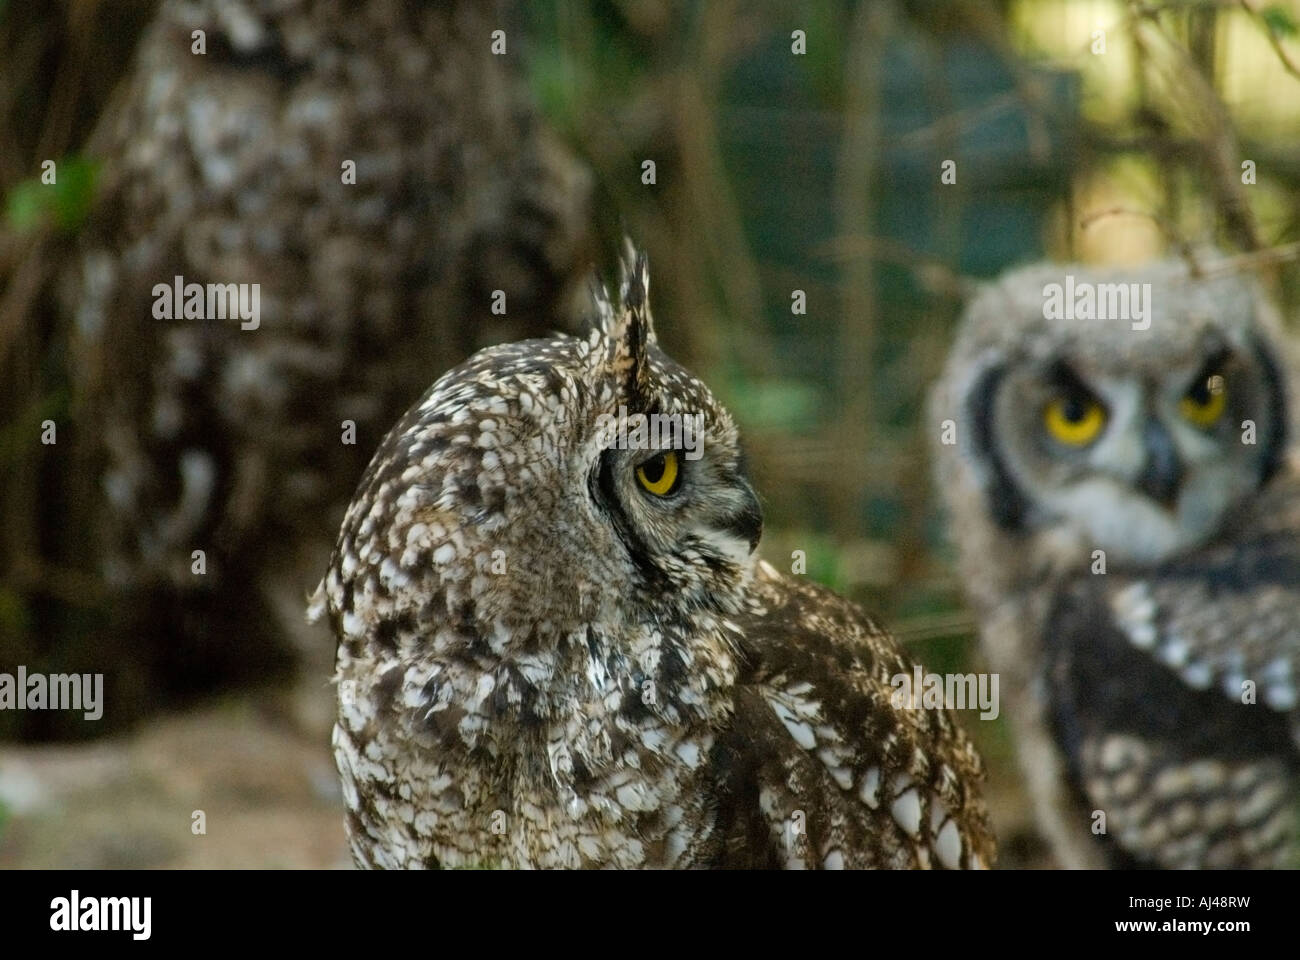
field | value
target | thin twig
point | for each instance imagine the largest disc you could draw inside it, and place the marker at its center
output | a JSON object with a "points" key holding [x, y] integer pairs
{"points": [[1254, 260], [935, 276], [1274, 38]]}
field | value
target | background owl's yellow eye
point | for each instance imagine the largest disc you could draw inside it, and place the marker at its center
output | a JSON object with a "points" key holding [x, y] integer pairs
{"points": [[1204, 403], [659, 474], [1074, 420]]}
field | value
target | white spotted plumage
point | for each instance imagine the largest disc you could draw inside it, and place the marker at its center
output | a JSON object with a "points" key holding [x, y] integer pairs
{"points": [[541, 663]]}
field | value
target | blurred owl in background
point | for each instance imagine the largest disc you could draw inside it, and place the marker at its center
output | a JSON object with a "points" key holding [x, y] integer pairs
{"points": [[1127, 519], [382, 179], [559, 650]]}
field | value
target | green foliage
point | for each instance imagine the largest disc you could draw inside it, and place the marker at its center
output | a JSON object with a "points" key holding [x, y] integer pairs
{"points": [[825, 561], [15, 436], [15, 621], [1280, 20], [823, 64], [583, 57], [773, 403], [64, 203]]}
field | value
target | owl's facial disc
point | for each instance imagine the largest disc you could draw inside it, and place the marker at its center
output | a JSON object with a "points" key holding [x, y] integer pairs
{"points": [[1141, 466], [675, 505]]}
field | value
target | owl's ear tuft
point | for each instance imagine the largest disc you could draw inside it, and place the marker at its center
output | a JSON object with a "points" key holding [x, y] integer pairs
{"points": [[634, 285], [628, 327]]}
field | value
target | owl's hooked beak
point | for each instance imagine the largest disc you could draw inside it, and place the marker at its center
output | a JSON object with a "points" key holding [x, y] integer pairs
{"points": [[1162, 476], [747, 522]]}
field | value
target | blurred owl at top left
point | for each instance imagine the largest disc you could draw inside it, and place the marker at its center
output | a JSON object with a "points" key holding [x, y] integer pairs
{"points": [[381, 178]]}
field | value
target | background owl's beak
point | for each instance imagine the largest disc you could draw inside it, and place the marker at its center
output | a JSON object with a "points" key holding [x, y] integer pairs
{"points": [[1163, 473]]}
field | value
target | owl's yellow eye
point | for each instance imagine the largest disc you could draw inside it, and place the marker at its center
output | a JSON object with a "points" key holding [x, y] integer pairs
{"points": [[1204, 403], [659, 474], [1074, 420]]}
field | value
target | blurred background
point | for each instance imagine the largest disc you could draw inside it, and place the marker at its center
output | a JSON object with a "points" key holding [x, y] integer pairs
{"points": [[795, 151]]}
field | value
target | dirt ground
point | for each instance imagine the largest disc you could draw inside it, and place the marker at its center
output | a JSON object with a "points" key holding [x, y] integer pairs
{"points": [[257, 765]]}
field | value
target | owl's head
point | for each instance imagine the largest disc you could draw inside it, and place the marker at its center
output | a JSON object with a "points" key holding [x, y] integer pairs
{"points": [[1126, 411], [547, 484]]}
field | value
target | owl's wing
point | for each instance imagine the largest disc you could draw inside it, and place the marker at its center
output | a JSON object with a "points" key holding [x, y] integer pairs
{"points": [[1147, 677], [819, 768], [1229, 613]]}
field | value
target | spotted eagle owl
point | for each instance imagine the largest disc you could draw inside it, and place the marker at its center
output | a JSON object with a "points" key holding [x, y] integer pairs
{"points": [[1126, 514], [556, 647]]}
